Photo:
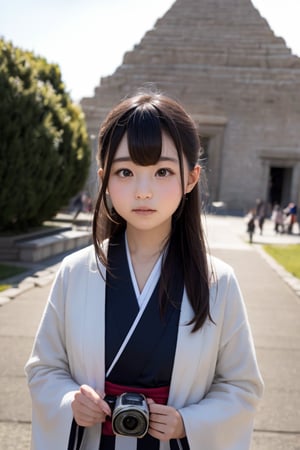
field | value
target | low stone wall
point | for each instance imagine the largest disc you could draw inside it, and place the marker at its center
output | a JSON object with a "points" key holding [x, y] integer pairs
{"points": [[37, 246], [42, 248]]}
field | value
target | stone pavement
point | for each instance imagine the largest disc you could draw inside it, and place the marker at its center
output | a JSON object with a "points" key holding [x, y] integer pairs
{"points": [[274, 312]]}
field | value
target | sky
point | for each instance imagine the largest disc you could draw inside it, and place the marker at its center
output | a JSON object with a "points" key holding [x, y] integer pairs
{"points": [[88, 38]]}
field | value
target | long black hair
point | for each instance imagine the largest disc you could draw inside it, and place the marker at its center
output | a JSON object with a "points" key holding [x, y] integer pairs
{"points": [[143, 118]]}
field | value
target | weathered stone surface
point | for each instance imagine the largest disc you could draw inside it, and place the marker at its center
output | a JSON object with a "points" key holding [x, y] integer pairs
{"points": [[222, 60]]}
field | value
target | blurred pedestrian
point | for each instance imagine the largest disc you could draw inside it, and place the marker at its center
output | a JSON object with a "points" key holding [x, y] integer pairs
{"points": [[291, 212], [260, 214], [82, 203], [250, 221], [278, 219], [78, 205]]}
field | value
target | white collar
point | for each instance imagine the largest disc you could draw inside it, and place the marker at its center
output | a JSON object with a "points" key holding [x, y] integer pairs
{"points": [[151, 282]]}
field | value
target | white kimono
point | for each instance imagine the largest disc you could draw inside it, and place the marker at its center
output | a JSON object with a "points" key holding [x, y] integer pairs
{"points": [[215, 383]]}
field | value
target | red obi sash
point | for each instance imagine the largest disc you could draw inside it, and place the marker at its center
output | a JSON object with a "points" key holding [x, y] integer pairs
{"points": [[159, 395]]}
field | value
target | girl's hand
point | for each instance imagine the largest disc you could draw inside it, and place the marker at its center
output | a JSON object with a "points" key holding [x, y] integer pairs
{"points": [[165, 422], [89, 407]]}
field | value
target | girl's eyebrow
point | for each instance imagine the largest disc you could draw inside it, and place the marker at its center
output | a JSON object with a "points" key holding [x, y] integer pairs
{"points": [[128, 159]]}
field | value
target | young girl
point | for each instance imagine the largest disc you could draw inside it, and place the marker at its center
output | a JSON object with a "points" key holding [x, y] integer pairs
{"points": [[145, 310]]}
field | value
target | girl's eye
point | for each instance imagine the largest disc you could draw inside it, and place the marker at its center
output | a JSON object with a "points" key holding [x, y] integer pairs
{"points": [[163, 172], [124, 173]]}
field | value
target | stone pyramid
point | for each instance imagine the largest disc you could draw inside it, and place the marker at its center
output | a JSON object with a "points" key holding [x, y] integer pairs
{"points": [[196, 36], [212, 32], [221, 59]]}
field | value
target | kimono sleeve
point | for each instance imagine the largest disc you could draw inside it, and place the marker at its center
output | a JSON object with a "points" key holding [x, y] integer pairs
{"points": [[50, 383], [223, 419]]}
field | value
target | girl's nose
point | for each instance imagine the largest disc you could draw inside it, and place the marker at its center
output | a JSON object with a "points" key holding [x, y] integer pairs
{"points": [[143, 190], [141, 195]]}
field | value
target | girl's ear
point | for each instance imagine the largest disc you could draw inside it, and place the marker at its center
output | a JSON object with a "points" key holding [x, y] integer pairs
{"points": [[100, 174], [193, 178]]}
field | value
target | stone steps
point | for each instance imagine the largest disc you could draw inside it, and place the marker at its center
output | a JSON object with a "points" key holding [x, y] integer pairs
{"points": [[179, 74]]}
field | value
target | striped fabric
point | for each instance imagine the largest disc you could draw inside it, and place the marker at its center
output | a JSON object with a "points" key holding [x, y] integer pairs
{"points": [[146, 443]]}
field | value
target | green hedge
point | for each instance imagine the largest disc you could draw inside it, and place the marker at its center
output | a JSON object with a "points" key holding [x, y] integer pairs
{"points": [[44, 145]]}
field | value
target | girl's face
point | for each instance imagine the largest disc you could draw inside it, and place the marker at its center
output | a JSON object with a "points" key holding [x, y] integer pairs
{"points": [[146, 197]]}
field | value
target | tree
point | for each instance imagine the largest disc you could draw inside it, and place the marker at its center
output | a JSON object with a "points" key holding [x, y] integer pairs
{"points": [[44, 145]]}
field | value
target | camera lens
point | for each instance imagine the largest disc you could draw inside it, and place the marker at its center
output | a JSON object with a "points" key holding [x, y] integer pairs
{"points": [[131, 415], [130, 423]]}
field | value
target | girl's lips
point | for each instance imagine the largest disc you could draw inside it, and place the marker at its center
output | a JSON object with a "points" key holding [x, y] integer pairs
{"points": [[143, 211]]}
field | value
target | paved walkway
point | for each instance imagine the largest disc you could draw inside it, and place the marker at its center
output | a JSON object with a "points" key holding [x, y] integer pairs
{"points": [[274, 312]]}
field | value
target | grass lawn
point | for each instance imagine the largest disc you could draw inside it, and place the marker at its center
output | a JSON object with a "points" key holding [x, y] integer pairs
{"points": [[3, 287], [286, 255], [7, 271]]}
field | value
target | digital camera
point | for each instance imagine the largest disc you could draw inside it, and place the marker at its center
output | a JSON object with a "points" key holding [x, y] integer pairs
{"points": [[130, 414]]}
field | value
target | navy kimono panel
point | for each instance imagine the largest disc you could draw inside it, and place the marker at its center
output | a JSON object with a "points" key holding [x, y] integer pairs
{"points": [[147, 360]]}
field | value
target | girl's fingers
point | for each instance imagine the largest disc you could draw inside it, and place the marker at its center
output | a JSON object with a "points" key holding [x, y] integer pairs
{"points": [[165, 422], [96, 398], [90, 393]]}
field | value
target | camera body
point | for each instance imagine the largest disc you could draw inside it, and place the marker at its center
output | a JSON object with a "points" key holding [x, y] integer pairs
{"points": [[130, 414]]}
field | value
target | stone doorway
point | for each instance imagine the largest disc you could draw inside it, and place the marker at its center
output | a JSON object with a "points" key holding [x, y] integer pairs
{"points": [[280, 179]]}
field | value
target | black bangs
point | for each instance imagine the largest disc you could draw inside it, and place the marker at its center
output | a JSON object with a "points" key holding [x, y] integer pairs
{"points": [[144, 135]]}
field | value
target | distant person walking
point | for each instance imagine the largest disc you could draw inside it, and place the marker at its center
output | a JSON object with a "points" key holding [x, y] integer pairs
{"points": [[250, 221], [77, 205], [278, 219], [291, 212], [82, 203], [260, 214]]}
